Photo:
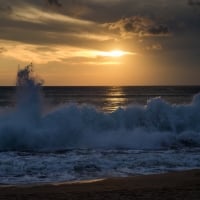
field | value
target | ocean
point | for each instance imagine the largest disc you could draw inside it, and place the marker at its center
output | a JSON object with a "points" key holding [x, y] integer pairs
{"points": [[105, 98], [53, 134]]}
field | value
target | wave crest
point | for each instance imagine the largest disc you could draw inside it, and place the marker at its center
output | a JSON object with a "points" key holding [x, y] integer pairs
{"points": [[155, 125]]}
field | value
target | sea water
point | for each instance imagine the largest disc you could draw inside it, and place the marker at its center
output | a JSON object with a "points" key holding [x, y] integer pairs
{"points": [[51, 134]]}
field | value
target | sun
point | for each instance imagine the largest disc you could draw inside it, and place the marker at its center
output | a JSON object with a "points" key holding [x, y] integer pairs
{"points": [[114, 53]]}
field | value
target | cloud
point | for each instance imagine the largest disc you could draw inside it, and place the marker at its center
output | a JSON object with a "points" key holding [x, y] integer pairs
{"points": [[94, 24], [54, 3], [42, 54], [194, 2], [158, 29], [36, 15], [32, 25], [5, 10], [138, 25]]}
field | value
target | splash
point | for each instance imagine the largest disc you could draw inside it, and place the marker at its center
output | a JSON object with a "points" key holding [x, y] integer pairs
{"points": [[156, 125], [28, 95], [15, 125]]}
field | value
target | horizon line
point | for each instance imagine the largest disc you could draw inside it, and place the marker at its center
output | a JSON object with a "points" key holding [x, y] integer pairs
{"points": [[178, 85]]}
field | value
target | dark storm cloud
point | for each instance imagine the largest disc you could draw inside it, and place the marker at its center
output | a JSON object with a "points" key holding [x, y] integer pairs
{"points": [[158, 29], [141, 26]]}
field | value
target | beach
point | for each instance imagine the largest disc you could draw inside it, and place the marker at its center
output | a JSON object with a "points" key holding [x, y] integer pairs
{"points": [[174, 185]]}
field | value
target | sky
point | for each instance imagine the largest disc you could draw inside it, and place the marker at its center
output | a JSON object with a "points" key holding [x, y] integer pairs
{"points": [[101, 42]]}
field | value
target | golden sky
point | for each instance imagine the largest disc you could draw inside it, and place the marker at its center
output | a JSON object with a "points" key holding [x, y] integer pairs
{"points": [[101, 42]]}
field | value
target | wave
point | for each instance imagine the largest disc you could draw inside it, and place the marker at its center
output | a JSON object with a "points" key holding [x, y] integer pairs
{"points": [[156, 125]]}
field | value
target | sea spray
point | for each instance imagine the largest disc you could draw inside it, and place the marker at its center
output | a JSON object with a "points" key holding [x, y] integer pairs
{"points": [[29, 104], [16, 126], [156, 125]]}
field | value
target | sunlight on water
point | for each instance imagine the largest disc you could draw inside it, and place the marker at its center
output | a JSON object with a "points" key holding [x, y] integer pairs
{"points": [[115, 98]]}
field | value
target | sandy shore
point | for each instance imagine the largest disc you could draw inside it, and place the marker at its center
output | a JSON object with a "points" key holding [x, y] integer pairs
{"points": [[176, 185]]}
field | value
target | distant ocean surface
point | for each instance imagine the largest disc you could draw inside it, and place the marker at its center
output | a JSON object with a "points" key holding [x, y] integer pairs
{"points": [[106, 98], [51, 134]]}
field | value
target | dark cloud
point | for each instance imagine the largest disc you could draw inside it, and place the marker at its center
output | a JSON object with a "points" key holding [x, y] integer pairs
{"points": [[5, 9], [54, 3], [194, 2], [53, 38], [158, 29], [141, 26]]}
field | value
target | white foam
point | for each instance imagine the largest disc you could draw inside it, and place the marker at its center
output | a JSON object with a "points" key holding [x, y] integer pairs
{"points": [[156, 125]]}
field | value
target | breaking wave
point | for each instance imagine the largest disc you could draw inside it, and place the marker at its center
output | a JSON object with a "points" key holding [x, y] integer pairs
{"points": [[156, 125]]}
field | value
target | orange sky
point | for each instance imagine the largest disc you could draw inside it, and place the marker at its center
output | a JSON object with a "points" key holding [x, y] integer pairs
{"points": [[95, 42]]}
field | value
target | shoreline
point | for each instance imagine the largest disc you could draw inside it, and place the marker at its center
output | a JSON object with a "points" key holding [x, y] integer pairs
{"points": [[174, 185]]}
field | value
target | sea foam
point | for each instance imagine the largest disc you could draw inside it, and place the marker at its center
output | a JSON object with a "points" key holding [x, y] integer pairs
{"points": [[156, 125]]}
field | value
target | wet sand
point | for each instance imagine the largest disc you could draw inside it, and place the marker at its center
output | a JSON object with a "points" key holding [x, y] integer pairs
{"points": [[176, 185]]}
